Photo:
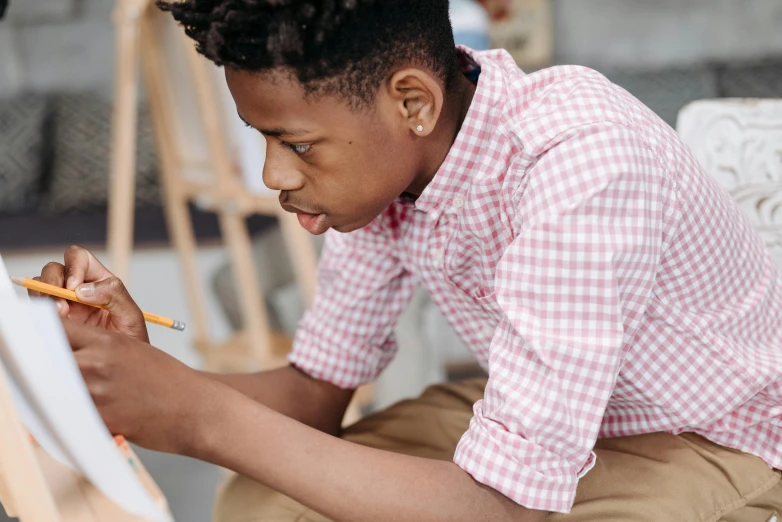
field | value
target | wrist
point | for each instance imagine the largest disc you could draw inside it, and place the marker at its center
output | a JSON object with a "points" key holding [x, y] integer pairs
{"points": [[199, 431]]}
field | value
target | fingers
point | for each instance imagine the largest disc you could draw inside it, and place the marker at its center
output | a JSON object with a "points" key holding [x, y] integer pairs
{"points": [[96, 288], [82, 266], [53, 274]]}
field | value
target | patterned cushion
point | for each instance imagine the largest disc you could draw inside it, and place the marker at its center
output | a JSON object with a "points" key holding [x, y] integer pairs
{"points": [[82, 156], [22, 154]]}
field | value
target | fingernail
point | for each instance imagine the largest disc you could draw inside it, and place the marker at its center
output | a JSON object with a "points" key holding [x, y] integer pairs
{"points": [[70, 284], [87, 290], [60, 306]]}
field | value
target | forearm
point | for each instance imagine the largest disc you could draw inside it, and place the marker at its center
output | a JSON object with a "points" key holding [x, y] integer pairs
{"points": [[344, 481], [315, 403]]}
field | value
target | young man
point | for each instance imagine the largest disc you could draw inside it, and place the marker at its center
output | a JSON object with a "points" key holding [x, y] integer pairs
{"points": [[628, 316]]}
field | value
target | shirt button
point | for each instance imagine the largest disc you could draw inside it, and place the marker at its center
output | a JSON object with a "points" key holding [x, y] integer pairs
{"points": [[458, 202], [488, 330], [438, 256]]}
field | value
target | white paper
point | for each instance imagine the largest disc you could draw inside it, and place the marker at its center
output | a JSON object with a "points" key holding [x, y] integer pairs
{"points": [[27, 413], [6, 286], [55, 406]]}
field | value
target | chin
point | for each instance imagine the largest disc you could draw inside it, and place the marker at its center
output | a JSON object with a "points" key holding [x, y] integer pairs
{"points": [[356, 222], [350, 227], [347, 228]]}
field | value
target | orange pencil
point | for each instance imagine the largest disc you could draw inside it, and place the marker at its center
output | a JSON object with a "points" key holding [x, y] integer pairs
{"points": [[70, 295]]}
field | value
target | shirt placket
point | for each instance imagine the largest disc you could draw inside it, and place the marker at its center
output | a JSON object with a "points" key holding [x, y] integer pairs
{"points": [[435, 252], [443, 220]]}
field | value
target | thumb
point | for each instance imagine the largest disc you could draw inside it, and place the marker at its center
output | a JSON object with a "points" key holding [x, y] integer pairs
{"points": [[109, 293], [112, 295]]}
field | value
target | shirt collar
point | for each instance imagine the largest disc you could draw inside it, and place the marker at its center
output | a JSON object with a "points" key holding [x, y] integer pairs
{"points": [[453, 178]]}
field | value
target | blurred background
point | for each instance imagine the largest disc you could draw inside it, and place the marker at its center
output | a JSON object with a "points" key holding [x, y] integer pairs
{"points": [[57, 69]]}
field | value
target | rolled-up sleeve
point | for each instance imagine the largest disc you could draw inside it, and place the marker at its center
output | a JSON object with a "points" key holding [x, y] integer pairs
{"points": [[571, 287], [346, 337]]}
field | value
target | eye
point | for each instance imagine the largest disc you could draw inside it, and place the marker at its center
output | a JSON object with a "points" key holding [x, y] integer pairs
{"points": [[298, 149]]}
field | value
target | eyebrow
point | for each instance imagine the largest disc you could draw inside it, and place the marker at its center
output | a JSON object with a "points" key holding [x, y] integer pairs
{"points": [[277, 132]]}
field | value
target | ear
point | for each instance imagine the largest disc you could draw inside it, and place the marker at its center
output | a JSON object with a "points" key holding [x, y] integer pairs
{"points": [[418, 98]]}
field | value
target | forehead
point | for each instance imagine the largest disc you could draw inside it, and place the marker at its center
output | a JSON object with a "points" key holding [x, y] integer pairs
{"points": [[278, 100]]}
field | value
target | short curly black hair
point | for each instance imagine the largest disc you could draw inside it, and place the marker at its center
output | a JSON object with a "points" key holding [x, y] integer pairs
{"points": [[339, 47]]}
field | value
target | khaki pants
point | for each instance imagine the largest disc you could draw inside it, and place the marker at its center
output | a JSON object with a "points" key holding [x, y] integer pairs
{"points": [[646, 478]]}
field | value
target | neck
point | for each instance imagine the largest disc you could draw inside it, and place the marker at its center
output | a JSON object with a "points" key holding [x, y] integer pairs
{"points": [[438, 144]]}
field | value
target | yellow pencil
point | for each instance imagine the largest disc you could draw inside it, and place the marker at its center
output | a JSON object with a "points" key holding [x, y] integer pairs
{"points": [[70, 295]]}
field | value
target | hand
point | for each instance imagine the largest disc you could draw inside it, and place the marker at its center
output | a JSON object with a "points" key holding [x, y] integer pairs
{"points": [[142, 393], [94, 284]]}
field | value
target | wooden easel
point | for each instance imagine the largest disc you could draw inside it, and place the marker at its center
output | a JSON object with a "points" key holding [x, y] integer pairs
{"points": [[140, 33], [140, 40], [36, 488]]}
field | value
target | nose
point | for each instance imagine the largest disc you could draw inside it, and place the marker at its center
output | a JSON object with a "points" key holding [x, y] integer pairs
{"points": [[280, 172]]}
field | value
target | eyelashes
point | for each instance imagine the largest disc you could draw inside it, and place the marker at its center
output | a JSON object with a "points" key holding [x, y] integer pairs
{"points": [[301, 150], [298, 149]]}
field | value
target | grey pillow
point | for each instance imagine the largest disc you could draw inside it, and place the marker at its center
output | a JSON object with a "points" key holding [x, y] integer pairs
{"points": [[82, 155], [22, 151]]}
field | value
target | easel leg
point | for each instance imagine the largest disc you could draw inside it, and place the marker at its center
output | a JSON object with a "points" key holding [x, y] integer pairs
{"points": [[174, 197], [302, 254], [124, 121], [234, 231], [254, 314], [27, 494], [5, 496]]}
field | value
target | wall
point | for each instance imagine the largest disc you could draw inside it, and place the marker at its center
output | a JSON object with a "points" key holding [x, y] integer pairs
{"points": [[57, 45], [666, 32], [68, 44]]}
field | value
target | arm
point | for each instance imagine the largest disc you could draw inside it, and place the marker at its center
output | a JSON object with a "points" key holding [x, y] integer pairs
{"points": [[159, 403], [345, 339], [344, 481], [222, 419], [293, 393]]}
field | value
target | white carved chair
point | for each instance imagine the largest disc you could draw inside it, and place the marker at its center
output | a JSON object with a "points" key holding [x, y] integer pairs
{"points": [[739, 143]]}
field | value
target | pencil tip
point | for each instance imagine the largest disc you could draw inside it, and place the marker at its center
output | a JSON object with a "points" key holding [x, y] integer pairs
{"points": [[17, 280]]}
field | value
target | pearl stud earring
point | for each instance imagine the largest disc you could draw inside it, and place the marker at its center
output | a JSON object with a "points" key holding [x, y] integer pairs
{"points": [[420, 128]]}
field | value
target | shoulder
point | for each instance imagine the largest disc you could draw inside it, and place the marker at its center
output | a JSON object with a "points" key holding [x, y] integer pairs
{"points": [[554, 104], [579, 135]]}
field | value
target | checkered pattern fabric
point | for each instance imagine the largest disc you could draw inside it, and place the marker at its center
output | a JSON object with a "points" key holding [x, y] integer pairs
{"points": [[605, 282]]}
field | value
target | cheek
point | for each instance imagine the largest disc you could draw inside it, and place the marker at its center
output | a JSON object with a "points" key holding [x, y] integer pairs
{"points": [[358, 193], [390, 154], [360, 179], [379, 177]]}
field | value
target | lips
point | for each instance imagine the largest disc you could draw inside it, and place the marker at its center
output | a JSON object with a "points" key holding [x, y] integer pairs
{"points": [[287, 207], [312, 223]]}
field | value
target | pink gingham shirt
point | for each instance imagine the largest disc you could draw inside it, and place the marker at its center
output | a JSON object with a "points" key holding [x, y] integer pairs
{"points": [[605, 282]]}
